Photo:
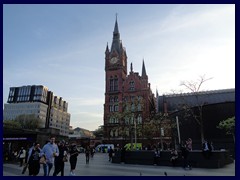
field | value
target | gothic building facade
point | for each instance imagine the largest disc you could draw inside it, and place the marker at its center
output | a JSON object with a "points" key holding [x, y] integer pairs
{"points": [[129, 101]]}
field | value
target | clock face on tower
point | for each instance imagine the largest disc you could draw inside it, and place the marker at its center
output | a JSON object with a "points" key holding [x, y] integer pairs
{"points": [[113, 60]]}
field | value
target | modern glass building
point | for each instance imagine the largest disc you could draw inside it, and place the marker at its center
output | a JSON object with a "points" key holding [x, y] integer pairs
{"points": [[38, 100]]}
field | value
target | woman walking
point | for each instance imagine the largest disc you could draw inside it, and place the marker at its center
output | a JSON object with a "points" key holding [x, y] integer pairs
{"points": [[33, 159], [73, 158]]}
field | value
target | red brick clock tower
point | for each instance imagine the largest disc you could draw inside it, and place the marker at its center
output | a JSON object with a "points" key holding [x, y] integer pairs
{"points": [[120, 87], [116, 73]]}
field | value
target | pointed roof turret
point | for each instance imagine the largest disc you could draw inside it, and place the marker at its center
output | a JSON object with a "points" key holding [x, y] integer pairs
{"points": [[107, 49], [144, 74]]}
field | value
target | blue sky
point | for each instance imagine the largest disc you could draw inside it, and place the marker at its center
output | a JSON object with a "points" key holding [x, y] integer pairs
{"points": [[62, 47]]}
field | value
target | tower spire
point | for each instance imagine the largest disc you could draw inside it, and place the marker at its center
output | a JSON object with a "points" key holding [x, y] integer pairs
{"points": [[116, 38], [116, 26], [144, 74]]}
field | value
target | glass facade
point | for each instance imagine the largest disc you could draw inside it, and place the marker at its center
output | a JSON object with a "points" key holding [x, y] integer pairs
{"points": [[34, 100]]}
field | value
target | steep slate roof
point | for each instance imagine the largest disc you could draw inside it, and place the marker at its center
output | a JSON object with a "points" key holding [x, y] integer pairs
{"points": [[116, 39]]}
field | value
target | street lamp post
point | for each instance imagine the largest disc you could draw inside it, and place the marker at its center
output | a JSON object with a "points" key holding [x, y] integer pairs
{"points": [[179, 137], [161, 134], [135, 124]]}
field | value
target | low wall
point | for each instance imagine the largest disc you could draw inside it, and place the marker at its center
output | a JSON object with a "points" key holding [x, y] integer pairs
{"points": [[217, 159]]}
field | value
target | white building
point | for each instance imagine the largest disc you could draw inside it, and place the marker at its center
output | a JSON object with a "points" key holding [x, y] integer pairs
{"points": [[38, 100]]}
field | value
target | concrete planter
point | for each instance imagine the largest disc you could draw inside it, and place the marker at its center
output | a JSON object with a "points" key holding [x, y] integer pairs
{"points": [[218, 159]]}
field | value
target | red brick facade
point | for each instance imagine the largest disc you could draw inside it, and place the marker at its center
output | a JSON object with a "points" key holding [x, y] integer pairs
{"points": [[124, 93]]}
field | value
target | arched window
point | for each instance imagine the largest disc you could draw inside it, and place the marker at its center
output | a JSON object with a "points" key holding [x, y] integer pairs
{"points": [[116, 108], [111, 99], [133, 107], [116, 99], [111, 84], [126, 107], [110, 120], [113, 120], [126, 120], [139, 119], [111, 108], [139, 107], [116, 120], [111, 133], [132, 120], [116, 132], [115, 83]]}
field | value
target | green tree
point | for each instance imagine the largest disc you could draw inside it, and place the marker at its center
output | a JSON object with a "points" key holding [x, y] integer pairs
{"points": [[98, 132], [12, 124], [130, 126], [157, 126], [28, 121], [228, 125], [149, 130]]}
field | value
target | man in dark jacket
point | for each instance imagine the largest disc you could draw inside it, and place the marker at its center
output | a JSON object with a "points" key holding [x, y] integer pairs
{"points": [[58, 161], [185, 156]]}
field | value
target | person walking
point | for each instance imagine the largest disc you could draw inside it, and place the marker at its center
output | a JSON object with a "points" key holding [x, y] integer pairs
{"points": [[206, 149], [92, 152], [22, 156], [33, 158], [156, 155], [50, 150], [174, 157], [73, 152], [59, 161], [123, 151], [110, 153], [87, 153], [189, 144], [185, 156]]}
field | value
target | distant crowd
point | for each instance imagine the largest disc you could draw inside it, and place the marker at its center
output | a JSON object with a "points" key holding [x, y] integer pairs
{"points": [[53, 156]]}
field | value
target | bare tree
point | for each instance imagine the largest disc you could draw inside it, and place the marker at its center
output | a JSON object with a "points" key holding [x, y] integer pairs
{"points": [[194, 87]]}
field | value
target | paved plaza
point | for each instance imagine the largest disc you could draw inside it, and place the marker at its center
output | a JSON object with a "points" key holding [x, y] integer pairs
{"points": [[100, 166]]}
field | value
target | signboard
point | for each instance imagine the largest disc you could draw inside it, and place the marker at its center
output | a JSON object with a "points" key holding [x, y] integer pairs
{"points": [[16, 139]]}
